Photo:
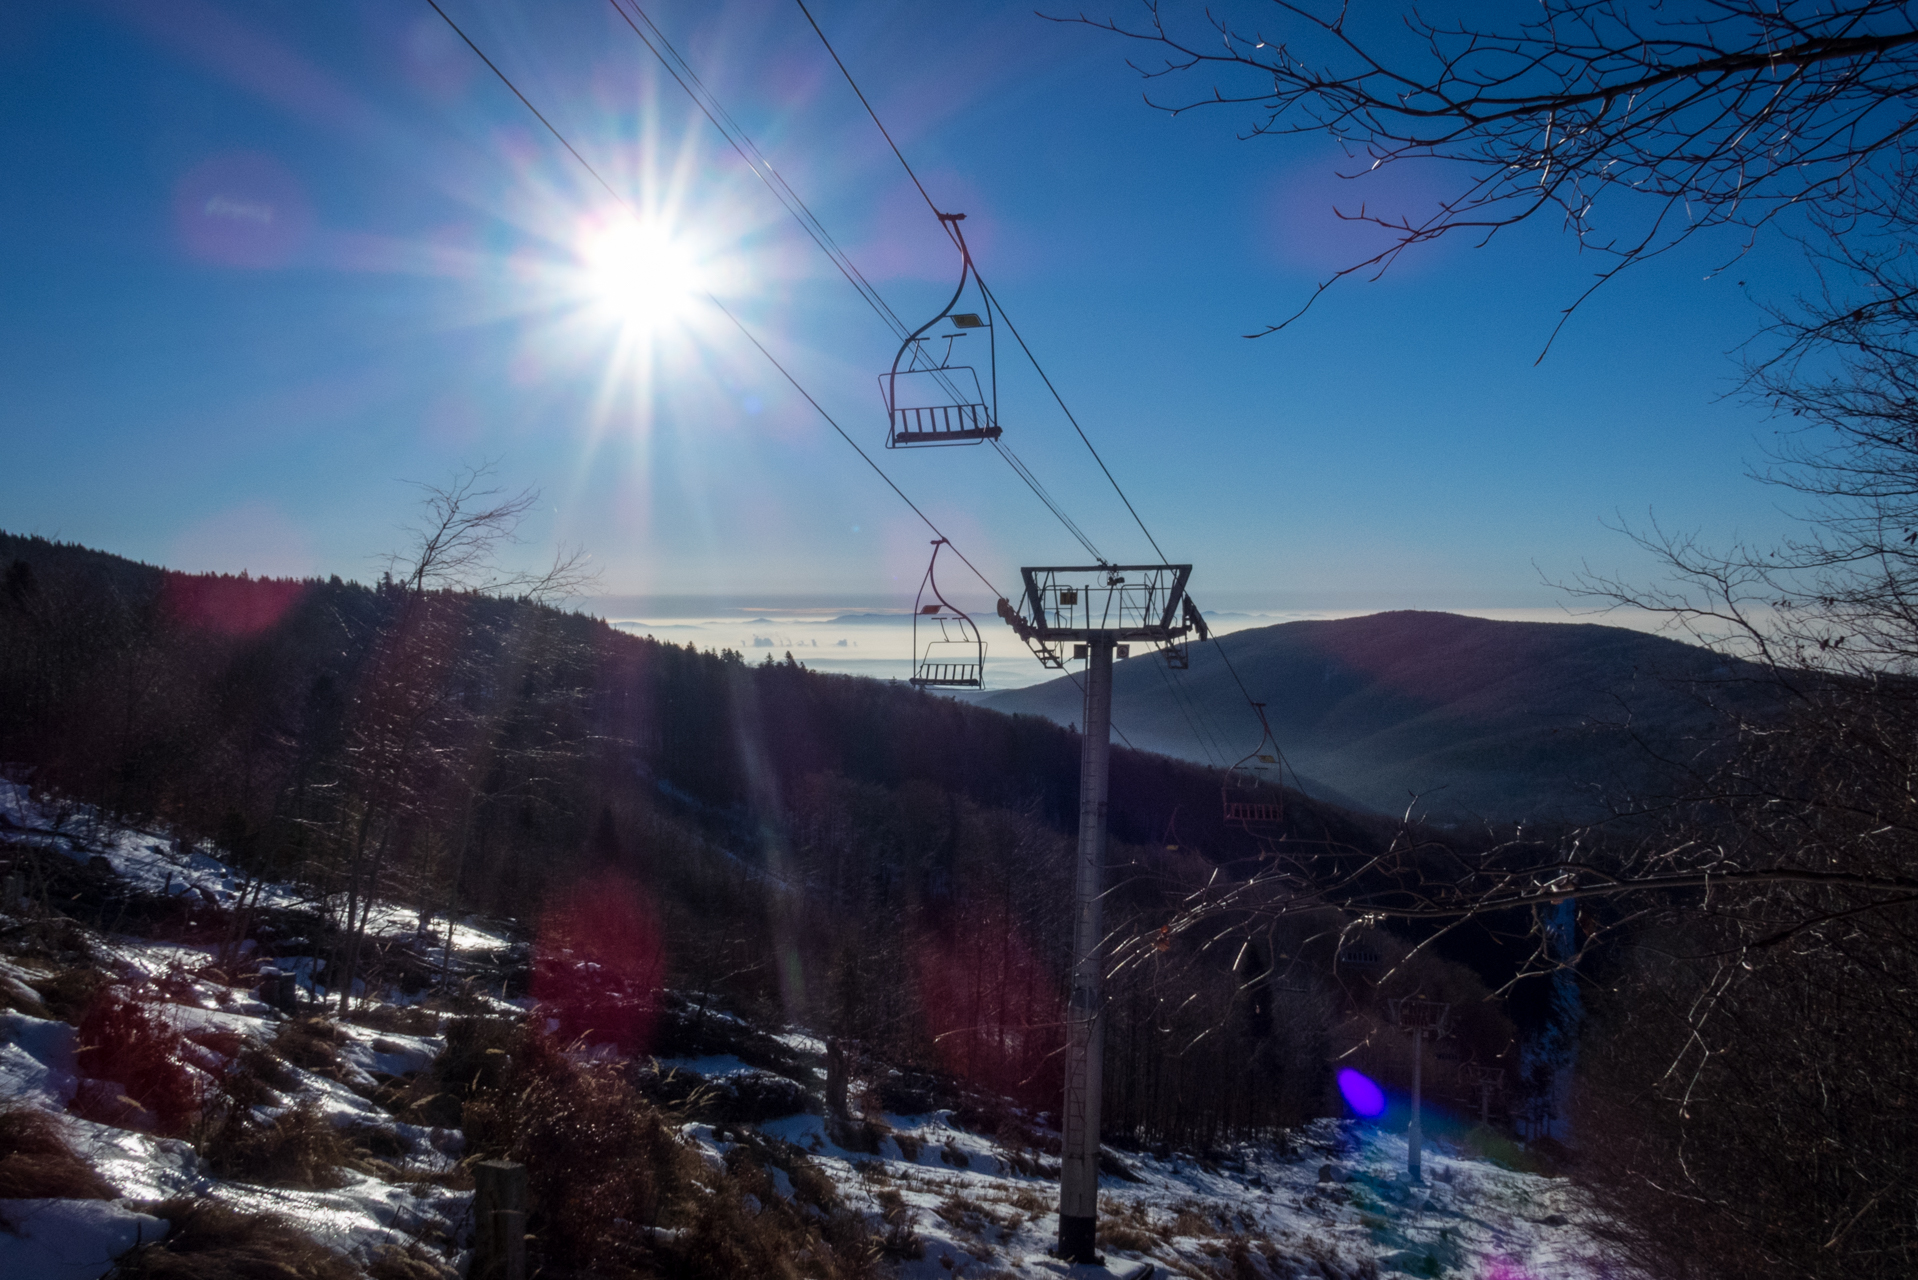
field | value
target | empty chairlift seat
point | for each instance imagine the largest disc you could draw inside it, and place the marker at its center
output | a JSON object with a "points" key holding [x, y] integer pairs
{"points": [[947, 650], [929, 399], [940, 405]]}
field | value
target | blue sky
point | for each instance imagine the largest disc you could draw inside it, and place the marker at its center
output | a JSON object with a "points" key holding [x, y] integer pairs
{"points": [[266, 261]]}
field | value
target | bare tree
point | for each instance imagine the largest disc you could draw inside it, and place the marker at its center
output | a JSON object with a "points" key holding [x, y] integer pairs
{"points": [[464, 528], [419, 727], [1716, 113]]}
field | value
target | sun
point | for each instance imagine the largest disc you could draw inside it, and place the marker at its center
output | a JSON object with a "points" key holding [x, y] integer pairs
{"points": [[639, 275]]}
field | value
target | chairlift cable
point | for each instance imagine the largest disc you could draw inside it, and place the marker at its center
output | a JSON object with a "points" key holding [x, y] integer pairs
{"points": [[983, 288], [724, 310], [709, 105], [1208, 726], [903, 162], [1024, 472], [710, 297], [993, 300], [774, 361], [1186, 711], [1254, 704], [1065, 409]]}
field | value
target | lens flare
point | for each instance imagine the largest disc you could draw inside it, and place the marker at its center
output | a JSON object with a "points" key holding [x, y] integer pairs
{"points": [[1360, 1093], [639, 275], [598, 964]]}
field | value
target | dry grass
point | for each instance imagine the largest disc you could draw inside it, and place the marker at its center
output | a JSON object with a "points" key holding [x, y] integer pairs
{"points": [[312, 1043], [67, 993], [36, 1162], [901, 1241], [1191, 1220], [18, 997], [1028, 1200], [1128, 1226], [966, 1215], [408, 1020], [300, 1148], [212, 1242], [1126, 1237], [811, 1186], [409, 1263]]}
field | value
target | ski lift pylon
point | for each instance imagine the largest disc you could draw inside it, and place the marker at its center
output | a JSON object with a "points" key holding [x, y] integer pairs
{"points": [[929, 399], [954, 657], [1252, 793]]}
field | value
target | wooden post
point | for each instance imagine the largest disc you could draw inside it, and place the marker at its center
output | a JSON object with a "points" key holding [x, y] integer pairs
{"points": [[838, 1080], [499, 1220]]}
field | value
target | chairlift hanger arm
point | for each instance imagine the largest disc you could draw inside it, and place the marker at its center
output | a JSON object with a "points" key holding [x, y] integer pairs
{"points": [[933, 582], [965, 273]]}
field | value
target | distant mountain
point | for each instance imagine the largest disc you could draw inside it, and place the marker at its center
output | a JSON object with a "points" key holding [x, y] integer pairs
{"points": [[1497, 719]]}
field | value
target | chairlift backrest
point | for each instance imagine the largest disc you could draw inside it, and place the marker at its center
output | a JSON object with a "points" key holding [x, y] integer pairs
{"points": [[943, 403]]}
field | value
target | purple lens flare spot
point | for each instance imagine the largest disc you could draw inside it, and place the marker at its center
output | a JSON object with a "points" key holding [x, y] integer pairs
{"points": [[1360, 1093]]}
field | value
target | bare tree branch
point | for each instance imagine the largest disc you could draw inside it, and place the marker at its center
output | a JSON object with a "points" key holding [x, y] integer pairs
{"points": [[1722, 112]]}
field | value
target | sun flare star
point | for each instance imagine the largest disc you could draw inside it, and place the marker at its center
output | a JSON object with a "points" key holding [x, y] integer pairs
{"points": [[639, 275]]}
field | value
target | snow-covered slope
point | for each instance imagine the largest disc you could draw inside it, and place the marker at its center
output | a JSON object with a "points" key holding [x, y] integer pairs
{"points": [[1329, 1201]]}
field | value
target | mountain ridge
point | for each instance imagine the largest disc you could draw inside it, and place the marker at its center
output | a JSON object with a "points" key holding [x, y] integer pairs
{"points": [[1458, 715]]}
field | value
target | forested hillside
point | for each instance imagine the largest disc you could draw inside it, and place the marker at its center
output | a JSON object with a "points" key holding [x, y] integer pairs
{"points": [[1473, 716], [875, 862]]}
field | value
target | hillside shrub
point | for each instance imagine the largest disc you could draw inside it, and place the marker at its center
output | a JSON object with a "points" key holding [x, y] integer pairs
{"points": [[123, 1042], [616, 1191], [601, 1162]]}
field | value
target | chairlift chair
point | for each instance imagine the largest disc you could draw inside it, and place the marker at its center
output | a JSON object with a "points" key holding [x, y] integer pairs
{"points": [[1252, 793], [954, 653], [929, 399]]}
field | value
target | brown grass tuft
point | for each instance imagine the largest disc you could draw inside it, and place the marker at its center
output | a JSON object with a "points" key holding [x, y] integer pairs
{"points": [[901, 1241], [409, 1263], [36, 1162], [212, 1242], [68, 993], [312, 1043], [299, 1148], [1125, 1236]]}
